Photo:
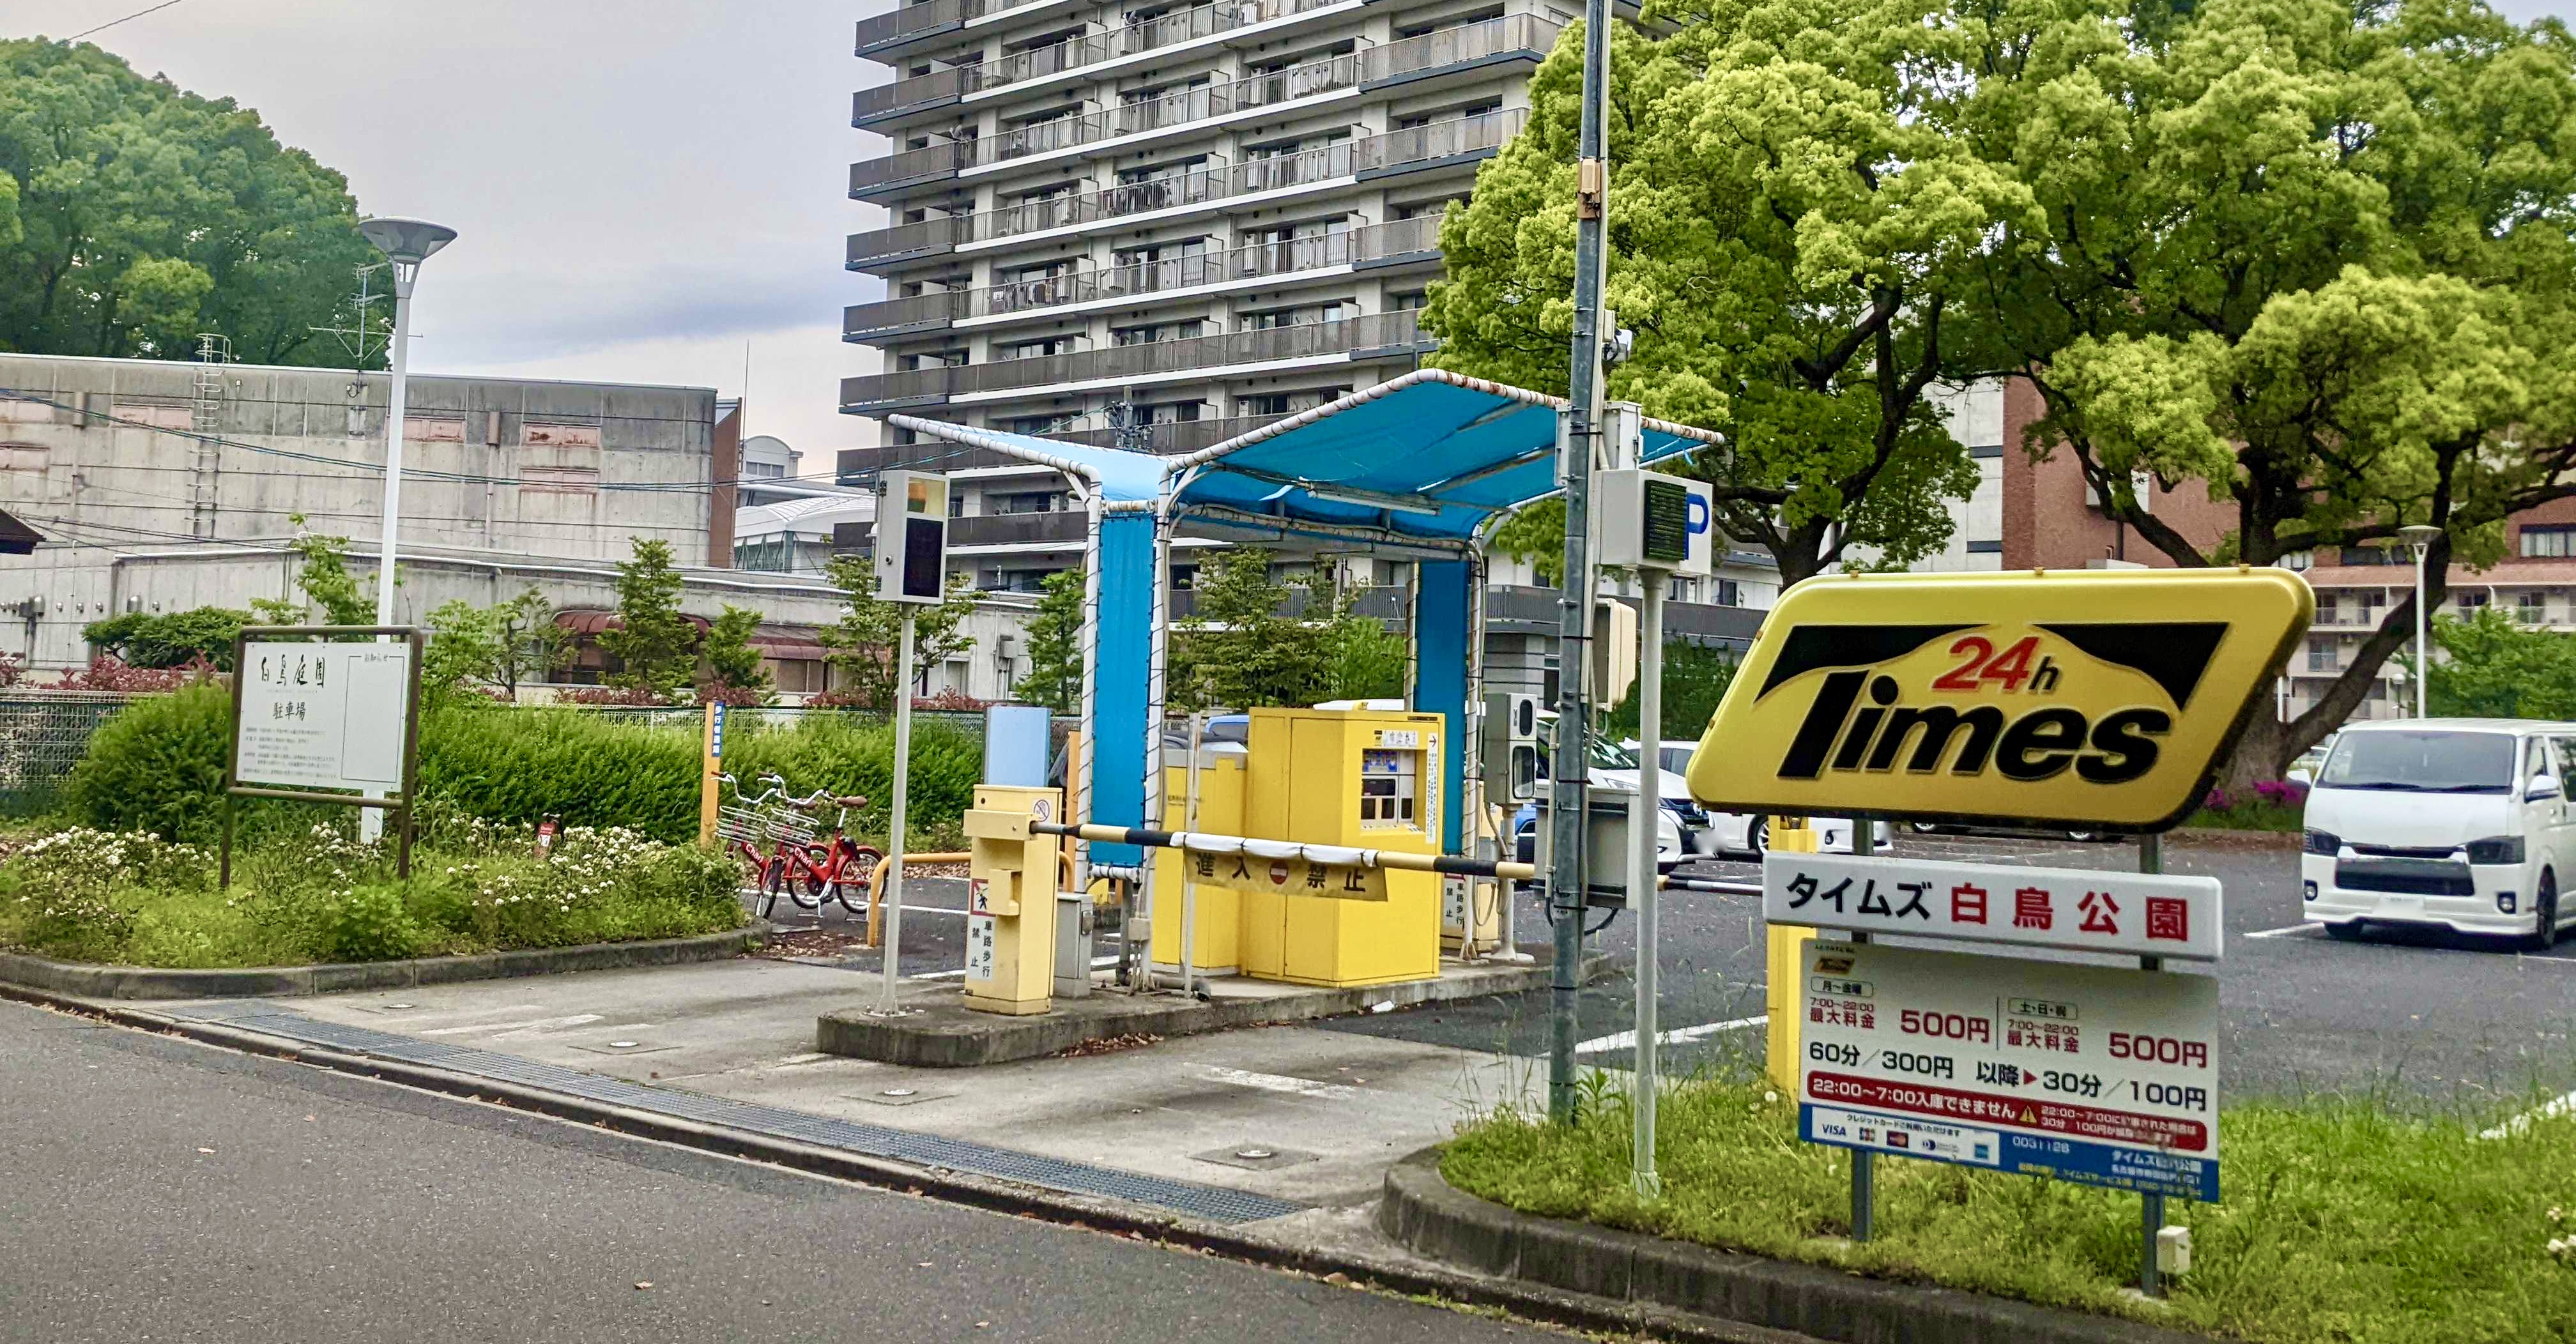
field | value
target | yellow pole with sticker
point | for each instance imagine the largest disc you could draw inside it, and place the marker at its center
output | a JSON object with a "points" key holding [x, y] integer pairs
{"points": [[1788, 957], [711, 771]]}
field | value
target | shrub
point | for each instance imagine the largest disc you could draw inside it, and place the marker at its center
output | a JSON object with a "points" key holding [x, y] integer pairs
{"points": [[522, 765], [855, 754], [158, 766]]}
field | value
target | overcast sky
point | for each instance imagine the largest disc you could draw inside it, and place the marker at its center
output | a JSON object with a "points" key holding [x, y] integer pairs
{"points": [[643, 186]]}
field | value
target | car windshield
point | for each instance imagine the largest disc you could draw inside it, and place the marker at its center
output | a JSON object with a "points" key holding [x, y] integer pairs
{"points": [[2427, 761], [1610, 755]]}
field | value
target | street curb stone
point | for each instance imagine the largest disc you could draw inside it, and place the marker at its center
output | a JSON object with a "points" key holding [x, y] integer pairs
{"points": [[85, 981], [1425, 1214]]}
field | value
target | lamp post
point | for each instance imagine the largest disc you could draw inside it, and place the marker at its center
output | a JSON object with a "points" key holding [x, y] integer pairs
{"points": [[406, 243], [2419, 540]]}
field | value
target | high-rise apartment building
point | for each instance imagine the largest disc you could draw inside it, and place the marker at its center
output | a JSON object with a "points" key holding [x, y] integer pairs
{"points": [[1214, 215]]}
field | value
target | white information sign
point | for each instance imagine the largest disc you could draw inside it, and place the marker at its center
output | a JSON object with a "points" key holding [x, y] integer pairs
{"points": [[323, 716], [2080, 910], [981, 931], [2094, 1074]]}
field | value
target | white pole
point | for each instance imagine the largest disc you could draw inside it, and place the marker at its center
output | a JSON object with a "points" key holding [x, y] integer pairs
{"points": [[1644, 814], [371, 820], [2423, 623], [1190, 889], [886, 1005]]}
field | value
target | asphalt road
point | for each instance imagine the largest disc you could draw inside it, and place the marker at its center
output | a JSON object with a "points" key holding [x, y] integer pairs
{"points": [[2428, 1022], [154, 1190]]}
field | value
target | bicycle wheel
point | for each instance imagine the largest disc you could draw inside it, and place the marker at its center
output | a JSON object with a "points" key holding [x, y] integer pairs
{"points": [[858, 873], [766, 884], [800, 876]]}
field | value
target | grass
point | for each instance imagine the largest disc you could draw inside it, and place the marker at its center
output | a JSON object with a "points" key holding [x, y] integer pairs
{"points": [[130, 899], [2339, 1222]]}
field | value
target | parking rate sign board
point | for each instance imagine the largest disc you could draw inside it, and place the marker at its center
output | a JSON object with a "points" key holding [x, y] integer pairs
{"points": [[2077, 909], [2094, 1074]]}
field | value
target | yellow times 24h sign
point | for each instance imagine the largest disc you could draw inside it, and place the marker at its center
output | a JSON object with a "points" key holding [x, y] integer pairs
{"points": [[2096, 699]]}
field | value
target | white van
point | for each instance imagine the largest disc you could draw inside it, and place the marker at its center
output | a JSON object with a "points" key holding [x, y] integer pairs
{"points": [[2461, 824]]}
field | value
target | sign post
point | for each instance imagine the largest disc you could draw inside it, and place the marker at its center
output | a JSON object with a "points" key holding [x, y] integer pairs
{"points": [[2088, 700], [711, 772], [322, 722], [911, 530]]}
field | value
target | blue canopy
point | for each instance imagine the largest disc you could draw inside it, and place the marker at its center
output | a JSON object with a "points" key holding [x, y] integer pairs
{"points": [[1425, 459]]}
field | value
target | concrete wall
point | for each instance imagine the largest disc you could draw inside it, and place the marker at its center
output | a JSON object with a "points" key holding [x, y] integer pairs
{"points": [[107, 457]]}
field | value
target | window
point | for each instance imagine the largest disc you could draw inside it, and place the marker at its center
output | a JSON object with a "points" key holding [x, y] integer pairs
{"points": [[1034, 501], [1286, 403], [2298, 560], [1052, 345], [2326, 609], [1407, 303], [1425, 209], [2548, 543], [2375, 555], [2532, 608], [1986, 547], [2321, 653], [1309, 315], [1729, 593], [2472, 601], [1158, 332]]}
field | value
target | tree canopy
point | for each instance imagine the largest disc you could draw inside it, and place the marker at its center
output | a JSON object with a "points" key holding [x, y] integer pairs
{"points": [[134, 215]]}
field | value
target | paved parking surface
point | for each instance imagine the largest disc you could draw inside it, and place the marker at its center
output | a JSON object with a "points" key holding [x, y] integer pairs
{"points": [[2437, 1021]]}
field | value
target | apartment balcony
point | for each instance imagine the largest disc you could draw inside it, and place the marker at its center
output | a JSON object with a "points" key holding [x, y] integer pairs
{"points": [[1462, 50], [1439, 144], [1379, 336], [906, 97], [988, 529], [1468, 49], [907, 24], [1378, 245]]}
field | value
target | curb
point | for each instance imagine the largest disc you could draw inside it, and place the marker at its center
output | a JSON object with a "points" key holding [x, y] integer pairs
{"points": [[947, 1035], [2220, 837], [80, 980], [1391, 1273], [1424, 1213]]}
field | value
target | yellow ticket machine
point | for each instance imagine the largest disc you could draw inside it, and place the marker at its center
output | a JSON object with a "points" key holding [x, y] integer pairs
{"points": [[1369, 779], [1011, 900]]}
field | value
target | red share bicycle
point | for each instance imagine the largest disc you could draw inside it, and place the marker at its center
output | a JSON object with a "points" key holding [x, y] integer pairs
{"points": [[837, 868]]}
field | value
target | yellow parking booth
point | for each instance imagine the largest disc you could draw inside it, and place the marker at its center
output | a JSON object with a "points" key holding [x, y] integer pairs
{"points": [[1369, 779], [1788, 963], [1216, 913]]}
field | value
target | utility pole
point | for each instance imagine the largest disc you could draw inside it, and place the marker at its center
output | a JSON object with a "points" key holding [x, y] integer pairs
{"points": [[1578, 454]]}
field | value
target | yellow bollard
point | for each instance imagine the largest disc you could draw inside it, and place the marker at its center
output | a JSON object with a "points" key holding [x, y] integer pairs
{"points": [[1787, 957]]}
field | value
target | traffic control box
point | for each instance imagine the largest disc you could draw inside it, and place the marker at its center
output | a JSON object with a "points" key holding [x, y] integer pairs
{"points": [[1011, 900], [1216, 919]]}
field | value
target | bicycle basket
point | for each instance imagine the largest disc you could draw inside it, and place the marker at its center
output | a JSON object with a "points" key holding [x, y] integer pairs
{"points": [[761, 827]]}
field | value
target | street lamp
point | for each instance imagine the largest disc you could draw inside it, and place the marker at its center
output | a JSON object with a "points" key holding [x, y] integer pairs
{"points": [[406, 243], [2419, 540]]}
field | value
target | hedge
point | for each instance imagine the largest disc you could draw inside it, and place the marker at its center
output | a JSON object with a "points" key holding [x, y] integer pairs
{"points": [[159, 766]]}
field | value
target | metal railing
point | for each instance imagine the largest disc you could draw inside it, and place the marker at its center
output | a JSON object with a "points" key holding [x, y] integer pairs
{"points": [[1521, 33], [1511, 34], [43, 734], [1397, 331], [1072, 54], [1458, 136], [1286, 256]]}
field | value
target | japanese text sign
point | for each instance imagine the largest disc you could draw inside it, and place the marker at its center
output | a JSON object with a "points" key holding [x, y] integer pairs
{"points": [[2094, 1074], [1298, 875], [2080, 910], [322, 716], [2088, 699]]}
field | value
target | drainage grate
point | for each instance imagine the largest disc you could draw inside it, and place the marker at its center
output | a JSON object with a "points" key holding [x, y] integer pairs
{"points": [[922, 1150]]}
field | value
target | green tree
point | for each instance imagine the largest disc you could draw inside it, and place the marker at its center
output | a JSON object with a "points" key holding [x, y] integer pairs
{"points": [[2310, 257], [1240, 647], [1791, 230], [1055, 645], [325, 582], [1361, 659], [733, 665], [143, 639], [134, 215], [2494, 667], [533, 643], [464, 649], [866, 641], [656, 647], [1695, 680]]}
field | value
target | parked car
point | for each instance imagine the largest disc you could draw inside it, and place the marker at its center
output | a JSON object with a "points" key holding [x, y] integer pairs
{"points": [[2459, 824], [2304, 769], [1744, 832], [1616, 768]]}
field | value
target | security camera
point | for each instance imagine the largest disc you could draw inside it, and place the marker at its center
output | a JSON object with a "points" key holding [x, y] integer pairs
{"points": [[1619, 347]]}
